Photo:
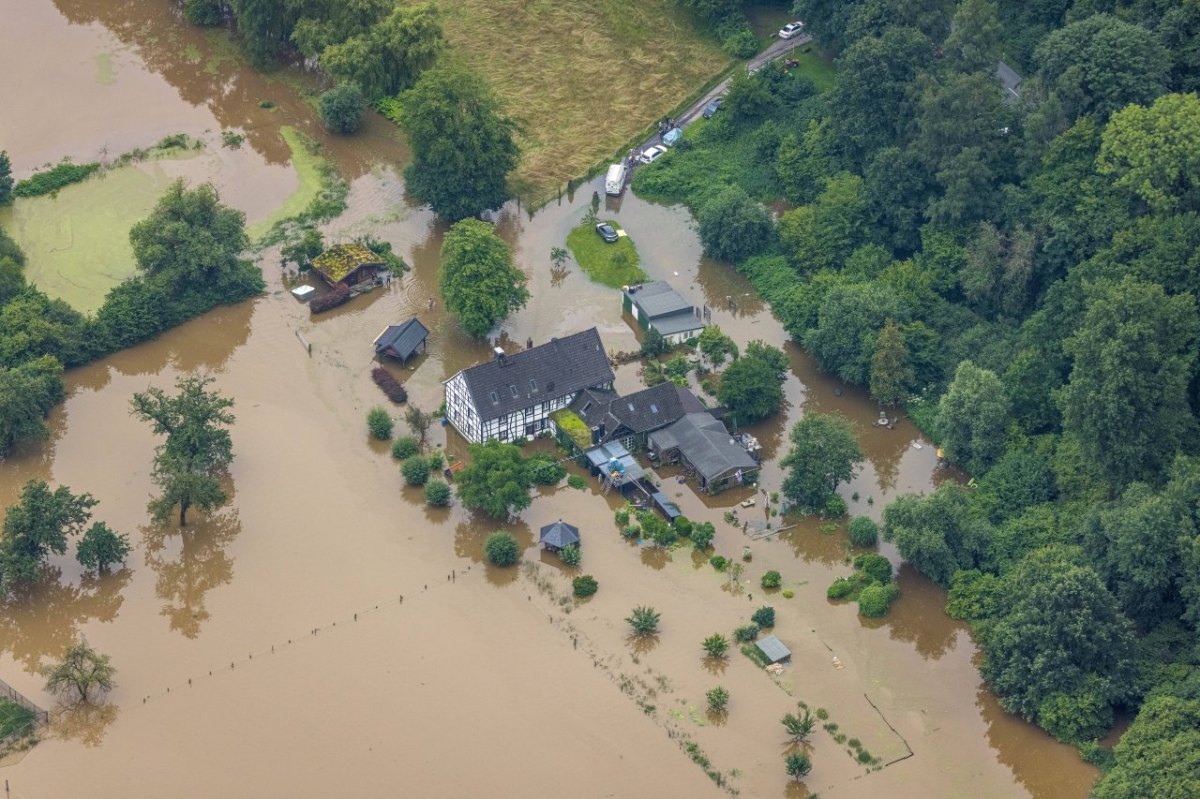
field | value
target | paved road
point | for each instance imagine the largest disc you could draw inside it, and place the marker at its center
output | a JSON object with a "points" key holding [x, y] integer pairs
{"points": [[778, 49]]}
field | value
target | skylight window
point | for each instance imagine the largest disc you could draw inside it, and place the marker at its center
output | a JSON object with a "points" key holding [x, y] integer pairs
{"points": [[532, 385], [513, 389], [653, 408], [495, 397]]}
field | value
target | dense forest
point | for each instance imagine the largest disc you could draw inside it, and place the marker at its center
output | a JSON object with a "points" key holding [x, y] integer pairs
{"points": [[1017, 265]]}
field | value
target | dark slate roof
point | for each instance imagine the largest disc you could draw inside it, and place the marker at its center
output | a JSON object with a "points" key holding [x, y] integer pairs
{"points": [[676, 323], [561, 366], [658, 299], [640, 412], [560, 534], [705, 443], [1008, 77], [402, 339], [773, 648]]}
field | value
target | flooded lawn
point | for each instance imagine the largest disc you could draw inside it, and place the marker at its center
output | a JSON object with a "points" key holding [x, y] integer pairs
{"points": [[328, 634]]}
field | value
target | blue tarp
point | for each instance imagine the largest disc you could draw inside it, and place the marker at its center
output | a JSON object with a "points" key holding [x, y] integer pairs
{"points": [[672, 136]]}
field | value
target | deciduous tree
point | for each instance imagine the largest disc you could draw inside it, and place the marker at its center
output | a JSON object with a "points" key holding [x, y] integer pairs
{"points": [[463, 145], [752, 386], [824, 453], [495, 480], [974, 41], [6, 178], [81, 673], [27, 393], [892, 375], [197, 450], [938, 534], [100, 547], [41, 523], [1154, 153], [973, 416], [478, 279], [733, 226]]}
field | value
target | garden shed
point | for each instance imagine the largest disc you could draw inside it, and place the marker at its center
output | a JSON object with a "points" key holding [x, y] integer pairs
{"points": [[348, 265], [773, 649], [402, 341]]}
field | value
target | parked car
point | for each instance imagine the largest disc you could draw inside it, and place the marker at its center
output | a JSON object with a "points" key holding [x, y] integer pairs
{"points": [[712, 107], [607, 232], [672, 136], [651, 154], [791, 29]]}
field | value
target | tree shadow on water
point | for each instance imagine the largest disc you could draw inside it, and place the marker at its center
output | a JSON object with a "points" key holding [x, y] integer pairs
{"points": [[642, 644], [85, 722], [189, 562]]}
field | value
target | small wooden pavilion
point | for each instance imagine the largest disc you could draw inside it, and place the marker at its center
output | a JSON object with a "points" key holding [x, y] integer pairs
{"points": [[559, 535], [773, 649], [348, 265], [402, 341]]}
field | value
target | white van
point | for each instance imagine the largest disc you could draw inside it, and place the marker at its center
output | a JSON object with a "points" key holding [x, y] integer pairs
{"points": [[614, 181]]}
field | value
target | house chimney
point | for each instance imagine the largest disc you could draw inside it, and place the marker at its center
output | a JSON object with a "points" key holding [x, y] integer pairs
{"points": [[529, 343], [499, 352]]}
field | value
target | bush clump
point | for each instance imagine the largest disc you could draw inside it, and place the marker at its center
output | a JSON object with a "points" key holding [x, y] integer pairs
{"points": [[772, 579], [584, 586], [379, 424], [745, 634], [545, 471], [764, 616], [876, 567], [577, 482], [788, 593], [702, 535], [719, 562], [875, 599], [405, 447], [631, 531], [835, 508], [54, 178], [392, 387], [415, 470], [841, 588], [622, 516], [863, 532], [341, 109], [571, 555], [330, 300], [502, 549], [437, 493], [436, 460]]}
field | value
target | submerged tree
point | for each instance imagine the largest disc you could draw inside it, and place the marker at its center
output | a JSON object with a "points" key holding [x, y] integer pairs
{"points": [[478, 279], [824, 453], [644, 620], [82, 672], [100, 547], [198, 449], [39, 524], [496, 480]]}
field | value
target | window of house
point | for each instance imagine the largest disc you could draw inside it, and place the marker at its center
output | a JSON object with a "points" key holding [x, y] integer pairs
{"points": [[513, 389], [495, 397], [653, 408], [532, 385]]}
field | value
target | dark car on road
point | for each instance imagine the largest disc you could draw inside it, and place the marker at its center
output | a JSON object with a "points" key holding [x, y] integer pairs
{"points": [[712, 107], [607, 232]]}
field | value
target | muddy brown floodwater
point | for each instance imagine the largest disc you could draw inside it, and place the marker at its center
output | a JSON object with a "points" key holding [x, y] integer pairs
{"points": [[328, 634]]}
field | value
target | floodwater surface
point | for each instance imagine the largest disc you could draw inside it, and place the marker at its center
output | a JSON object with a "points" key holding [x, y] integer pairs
{"points": [[326, 633]]}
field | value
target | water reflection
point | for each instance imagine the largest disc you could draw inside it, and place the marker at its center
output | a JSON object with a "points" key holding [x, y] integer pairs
{"points": [[469, 538], [188, 563], [41, 622], [919, 617], [85, 722]]}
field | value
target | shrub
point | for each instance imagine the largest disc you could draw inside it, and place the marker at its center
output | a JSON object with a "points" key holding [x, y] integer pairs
{"points": [[835, 508], [799, 727], [203, 12], [644, 620], [718, 698], [54, 178], [746, 633], [863, 532], [571, 555], [545, 471], [379, 424], [653, 344], [415, 470], [798, 765], [404, 448], [788, 593], [436, 460], [502, 549], [584, 586], [631, 531], [875, 599], [437, 493], [716, 645], [341, 109], [683, 526], [742, 44], [764, 616], [702, 535], [732, 225], [841, 588], [876, 567], [622, 516], [575, 481], [719, 562], [772, 579], [392, 387], [330, 300]]}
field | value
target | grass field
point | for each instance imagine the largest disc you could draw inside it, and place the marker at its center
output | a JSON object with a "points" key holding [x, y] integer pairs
{"points": [[583, 77], [613, 264], [309, 169], [77, 242]]}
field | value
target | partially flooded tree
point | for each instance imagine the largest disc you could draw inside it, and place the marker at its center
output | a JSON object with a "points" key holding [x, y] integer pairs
{"points": [[644, 620], [39, 524], [81, 673], [798, 765], [418, 422], [799, 727], [101, 547], [198, 449]]}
